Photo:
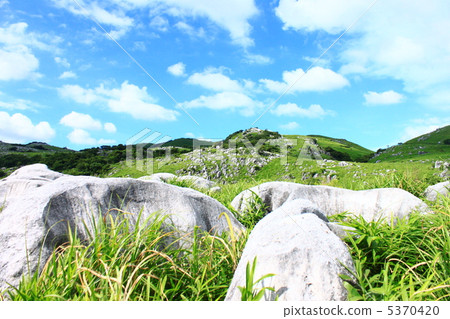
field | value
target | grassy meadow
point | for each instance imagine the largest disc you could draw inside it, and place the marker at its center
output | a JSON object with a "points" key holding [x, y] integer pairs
{"points": [[405, 261]]}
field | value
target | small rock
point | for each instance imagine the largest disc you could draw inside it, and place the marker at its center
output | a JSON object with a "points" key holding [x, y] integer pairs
{"points": [[432, 192]]}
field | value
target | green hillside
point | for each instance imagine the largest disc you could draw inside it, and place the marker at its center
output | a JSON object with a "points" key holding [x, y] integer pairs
{"points": [[431, 146], [187, 143], [342, 149], [33, 147]]}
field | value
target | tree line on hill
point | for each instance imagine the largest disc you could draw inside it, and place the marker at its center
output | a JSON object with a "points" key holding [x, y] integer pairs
{"points": [[92, 161]]}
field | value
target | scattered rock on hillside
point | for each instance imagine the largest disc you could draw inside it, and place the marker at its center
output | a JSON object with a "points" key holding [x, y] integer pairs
{"points": [[34, 219], [159, 177], [371, 204], [432, 192], [198, 181], [296, 246], [344, 164]]}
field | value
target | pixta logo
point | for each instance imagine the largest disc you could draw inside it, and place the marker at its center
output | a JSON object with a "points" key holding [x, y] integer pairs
{"points": [[140, 150]]}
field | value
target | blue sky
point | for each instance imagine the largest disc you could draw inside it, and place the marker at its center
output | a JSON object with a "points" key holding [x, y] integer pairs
{"points": [[82, 73]]}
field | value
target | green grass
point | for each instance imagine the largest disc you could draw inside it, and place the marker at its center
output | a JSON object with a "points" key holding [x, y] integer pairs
{"points": [[432, 144], [406, 261], [354, 151], [121, 262]]}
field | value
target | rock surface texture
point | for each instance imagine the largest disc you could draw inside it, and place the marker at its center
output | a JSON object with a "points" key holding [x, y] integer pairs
{"points": [[295, 244], [440, 189], [40, 204], [195, 181], [371, 204]]}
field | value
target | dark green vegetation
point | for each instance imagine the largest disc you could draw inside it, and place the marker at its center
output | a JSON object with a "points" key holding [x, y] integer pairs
{"points": [[187, 143], [95, 161]]}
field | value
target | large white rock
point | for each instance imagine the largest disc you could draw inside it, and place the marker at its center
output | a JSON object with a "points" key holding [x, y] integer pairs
{"points": [[371, 204], [25, 179], [305, 256], [441, 189], [36, 220]]}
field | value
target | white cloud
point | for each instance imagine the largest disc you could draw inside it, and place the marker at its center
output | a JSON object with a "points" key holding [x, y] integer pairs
{"points": [[82, 137], [79, 94], [290, 126], [189, 135], [332, 16], [17, 59], [16, 35], [128, 99], [325, 63], [231, 15], [112, 16], [225, 101], [18, 128], [292, 109], [177, 69], [213, 79], [138, 103], [317, 79], [80, 121], [62, 61], [110, 128], [405, 40], [160, 23], [139, 46], [68, 75], [190, 30], [383, 98], [18, 64], [18, 104], [257, 59]]}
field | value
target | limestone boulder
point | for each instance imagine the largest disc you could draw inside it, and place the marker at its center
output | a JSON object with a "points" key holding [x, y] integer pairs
{"points": [[36, 219], [198, 181], [371, 204], [440, 189], [298, 247], [24, 179]]}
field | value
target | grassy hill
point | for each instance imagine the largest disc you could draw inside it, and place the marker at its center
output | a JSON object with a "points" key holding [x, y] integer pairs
{"points": [[187, 143], [258, 155], [335, 147], [30, 148], [431, 146]]}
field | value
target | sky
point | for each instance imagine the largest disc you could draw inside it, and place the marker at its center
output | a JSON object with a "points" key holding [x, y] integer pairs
{"points": [[83, 73]]}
